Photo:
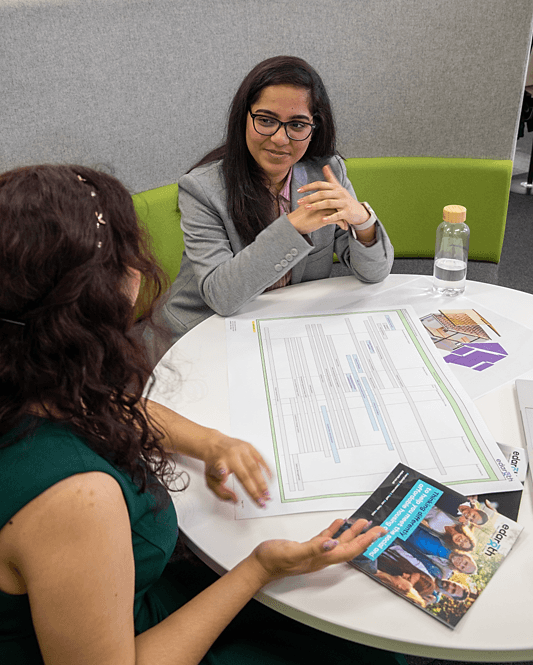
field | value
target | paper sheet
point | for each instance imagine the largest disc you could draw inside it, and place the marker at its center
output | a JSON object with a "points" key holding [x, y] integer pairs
{"points": [[334, 401], [484, 359]]}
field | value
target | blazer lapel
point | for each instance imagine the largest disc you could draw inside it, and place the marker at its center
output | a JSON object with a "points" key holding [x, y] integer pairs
{"points": [[299, 178]]}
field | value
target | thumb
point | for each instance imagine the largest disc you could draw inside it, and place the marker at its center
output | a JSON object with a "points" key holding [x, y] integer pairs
{"points": [[329, 545], [221, 489], [314, 549], [317, 546], [219, 472]]}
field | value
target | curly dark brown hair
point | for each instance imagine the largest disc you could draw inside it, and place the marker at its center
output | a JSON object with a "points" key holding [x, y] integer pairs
{"points": [[63, 273]]}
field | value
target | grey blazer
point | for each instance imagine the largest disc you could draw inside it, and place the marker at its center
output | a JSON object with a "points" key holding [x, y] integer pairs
{"points": [[219, 274]]}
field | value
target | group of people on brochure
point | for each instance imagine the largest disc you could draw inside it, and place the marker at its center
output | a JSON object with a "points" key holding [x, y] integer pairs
{"points": [[422, 566]]}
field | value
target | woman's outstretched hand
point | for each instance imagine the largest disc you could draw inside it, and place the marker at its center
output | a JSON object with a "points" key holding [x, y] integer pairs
{"points": [[275, 559], [332, 202], [229, 456]]}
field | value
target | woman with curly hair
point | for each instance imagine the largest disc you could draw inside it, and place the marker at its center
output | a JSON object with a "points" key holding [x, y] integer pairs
{"points": [[87, 526]]}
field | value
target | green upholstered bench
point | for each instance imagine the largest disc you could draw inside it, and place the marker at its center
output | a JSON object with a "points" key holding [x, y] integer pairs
{"points": [[158, 211], [409, 193]]}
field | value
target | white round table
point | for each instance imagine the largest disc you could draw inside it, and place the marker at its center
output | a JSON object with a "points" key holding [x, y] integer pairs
{"points": [[192, 379]]}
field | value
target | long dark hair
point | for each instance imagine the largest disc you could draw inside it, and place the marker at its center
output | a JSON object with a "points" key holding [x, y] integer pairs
{"points": [[65, 344], [248, 197], [447, 538]]}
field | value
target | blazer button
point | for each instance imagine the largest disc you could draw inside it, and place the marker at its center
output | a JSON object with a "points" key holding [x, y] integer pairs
{"points": [[284, 263], [289, 257], [294, 251], [278, 267]]}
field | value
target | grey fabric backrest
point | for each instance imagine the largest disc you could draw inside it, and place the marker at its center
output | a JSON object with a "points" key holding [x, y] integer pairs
{"points": [[141, 88]]}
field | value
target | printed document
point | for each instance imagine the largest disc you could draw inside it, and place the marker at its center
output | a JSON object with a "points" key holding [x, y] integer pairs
{"points": [[334, 401]]}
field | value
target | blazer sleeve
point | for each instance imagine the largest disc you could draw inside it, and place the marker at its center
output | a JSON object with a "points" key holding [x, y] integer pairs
{"points": [[228, 273], [368, 264]]}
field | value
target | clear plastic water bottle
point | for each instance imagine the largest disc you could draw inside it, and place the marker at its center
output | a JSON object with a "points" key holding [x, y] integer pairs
{"points": [[451, 252]]}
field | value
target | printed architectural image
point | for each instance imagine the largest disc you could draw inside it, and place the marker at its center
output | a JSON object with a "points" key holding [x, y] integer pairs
{"points": [[465, 334]]}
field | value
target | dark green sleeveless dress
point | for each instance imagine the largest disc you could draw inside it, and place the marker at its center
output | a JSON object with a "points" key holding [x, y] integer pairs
{"points": [[51, 453]]}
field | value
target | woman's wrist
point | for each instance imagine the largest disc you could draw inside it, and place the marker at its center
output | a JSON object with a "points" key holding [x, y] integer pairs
{"points": [[213, 444], [297, 218], [365, 229], [366, 236], [254, 573]]}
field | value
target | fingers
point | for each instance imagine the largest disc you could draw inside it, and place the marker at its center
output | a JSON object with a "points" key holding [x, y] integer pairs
{"points": [[250, 469], [216, 481], [316, 186], [330, 176], [223, 492], [331, 196], [358, 527], [323, 193], [307, 221], [250, 475], [326, 550], [336, 218], [354, 528], [352, 542], [331, 182], [262, 462], [281, 557], [331, 216], [323, 204], [362, 541], [332, 528]]}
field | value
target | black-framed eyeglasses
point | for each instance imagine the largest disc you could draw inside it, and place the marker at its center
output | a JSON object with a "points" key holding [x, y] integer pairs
{"points": [[296, 130]]}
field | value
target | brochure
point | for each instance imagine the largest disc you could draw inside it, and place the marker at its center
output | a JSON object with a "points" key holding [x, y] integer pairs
{"points": [[505, 503], [440, 552], [517, 460]]}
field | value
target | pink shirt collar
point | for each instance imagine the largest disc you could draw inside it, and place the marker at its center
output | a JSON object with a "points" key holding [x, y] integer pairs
{"points": [[284, 197]]}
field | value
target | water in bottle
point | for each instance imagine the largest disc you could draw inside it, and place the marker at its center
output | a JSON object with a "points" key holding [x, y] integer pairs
{"points": [[451, 252]]}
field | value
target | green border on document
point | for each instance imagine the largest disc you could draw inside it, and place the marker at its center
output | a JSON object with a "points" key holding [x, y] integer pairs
{"points": [[414, 339]]}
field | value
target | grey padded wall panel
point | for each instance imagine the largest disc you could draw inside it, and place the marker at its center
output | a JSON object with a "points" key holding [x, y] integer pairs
{"points": [[142, 87]]}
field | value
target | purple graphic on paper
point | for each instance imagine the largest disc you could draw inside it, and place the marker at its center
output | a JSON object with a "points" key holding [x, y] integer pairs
{"points": [[462, 351], [477, 356]]}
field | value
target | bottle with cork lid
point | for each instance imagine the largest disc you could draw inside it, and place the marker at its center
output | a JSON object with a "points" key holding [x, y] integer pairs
{"points": [[451, 252]]}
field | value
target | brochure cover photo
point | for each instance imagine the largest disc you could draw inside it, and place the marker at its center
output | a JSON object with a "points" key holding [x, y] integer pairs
{"points": [[440, 552]]}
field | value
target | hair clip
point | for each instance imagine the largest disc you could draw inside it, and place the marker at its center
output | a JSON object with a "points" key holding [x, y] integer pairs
{"points": [[99, 217], [17, 323]]}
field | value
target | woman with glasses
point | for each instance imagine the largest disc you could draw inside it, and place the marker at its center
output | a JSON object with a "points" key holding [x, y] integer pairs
{"points": [[273, 204]]}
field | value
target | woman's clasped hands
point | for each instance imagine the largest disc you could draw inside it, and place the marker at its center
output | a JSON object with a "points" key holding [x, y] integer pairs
{"points": [[330, 203]]}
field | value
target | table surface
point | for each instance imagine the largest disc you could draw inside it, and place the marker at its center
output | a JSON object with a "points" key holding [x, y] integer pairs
{"points": [[192, 379]]}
